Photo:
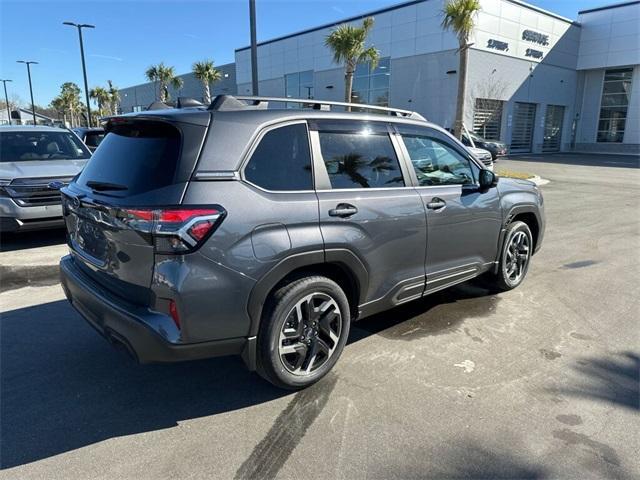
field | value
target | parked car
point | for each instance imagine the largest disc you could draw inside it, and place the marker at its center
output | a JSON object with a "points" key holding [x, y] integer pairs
{"points": [[35, 162], [497, 149], [483, 155], [90, 136], [238, 229]]}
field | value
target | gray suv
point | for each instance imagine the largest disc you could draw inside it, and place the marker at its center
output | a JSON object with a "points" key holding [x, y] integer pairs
{"points": [[239, 229]]}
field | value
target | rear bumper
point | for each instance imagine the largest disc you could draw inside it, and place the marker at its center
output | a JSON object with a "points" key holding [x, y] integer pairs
{"points": [[151, 337]]}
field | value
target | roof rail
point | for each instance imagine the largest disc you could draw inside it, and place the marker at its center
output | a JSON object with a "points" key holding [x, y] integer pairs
{"points": [[233, 102]]}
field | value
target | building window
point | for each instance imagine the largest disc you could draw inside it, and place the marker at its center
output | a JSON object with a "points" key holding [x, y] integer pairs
{"points": [[487, 118], [372, 86], [616, 92], [299, 84]]}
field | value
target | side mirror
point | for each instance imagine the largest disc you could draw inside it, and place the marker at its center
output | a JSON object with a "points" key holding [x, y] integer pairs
{"points": [[488, 179]]}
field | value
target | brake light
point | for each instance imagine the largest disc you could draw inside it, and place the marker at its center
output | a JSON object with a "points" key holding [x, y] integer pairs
{"points": [[175, 230], [173, 311]]}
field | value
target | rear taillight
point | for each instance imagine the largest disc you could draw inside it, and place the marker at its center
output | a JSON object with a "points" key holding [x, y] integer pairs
{"points": [[180, 230], [173, 311]]}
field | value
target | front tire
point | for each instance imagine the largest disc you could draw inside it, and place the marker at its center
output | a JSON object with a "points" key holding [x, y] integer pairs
{"points": [[515, 256], [304, 328]]}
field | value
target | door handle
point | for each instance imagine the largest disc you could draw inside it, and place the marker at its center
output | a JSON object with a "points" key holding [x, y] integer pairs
{"points": [[343, 210], [436, 204]]}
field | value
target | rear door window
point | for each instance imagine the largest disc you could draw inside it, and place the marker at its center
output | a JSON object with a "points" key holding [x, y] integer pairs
{"points": [[135, 158], [282, 161], [361, 156]]}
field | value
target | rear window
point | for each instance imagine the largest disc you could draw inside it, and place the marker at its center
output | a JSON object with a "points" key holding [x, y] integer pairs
{"points": [[24, 146], [135, 158]]}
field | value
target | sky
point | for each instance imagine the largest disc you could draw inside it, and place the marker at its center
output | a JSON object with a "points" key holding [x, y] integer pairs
{"points": [[130, 35]]}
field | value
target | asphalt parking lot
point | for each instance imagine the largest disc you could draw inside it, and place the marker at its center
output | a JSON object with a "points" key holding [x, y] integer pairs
{"points": [[539, 382]]}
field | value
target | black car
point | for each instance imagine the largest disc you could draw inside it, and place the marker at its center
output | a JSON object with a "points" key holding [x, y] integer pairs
{"points": [[497, 149], [90, 136]]}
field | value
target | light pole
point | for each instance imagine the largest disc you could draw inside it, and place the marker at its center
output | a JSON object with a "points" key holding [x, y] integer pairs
{"points": [[6, 99], [33, 106], [80, 26], [254, 47]]}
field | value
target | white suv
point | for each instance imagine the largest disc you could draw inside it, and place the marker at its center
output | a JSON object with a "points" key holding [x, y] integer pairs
{"points": [[35, 162]]}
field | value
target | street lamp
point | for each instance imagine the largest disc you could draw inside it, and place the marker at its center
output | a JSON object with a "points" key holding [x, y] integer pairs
{"points": [[6, 99], [254, 47], [80, 26], [33, 106]]}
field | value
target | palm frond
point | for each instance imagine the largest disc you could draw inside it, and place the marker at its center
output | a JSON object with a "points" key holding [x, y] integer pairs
{"points": [[459, 17]]}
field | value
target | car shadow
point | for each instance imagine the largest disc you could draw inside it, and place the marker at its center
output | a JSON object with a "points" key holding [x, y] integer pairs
{"points": [[464, 458], [436, 314], [613, 379], [63, 387], [10, 242]]}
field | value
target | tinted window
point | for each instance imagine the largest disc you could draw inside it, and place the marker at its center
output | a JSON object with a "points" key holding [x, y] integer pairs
{"points": [[282, 160], [363, 159], [141, 157], [437, 163], [93, 139], [24, 146]]}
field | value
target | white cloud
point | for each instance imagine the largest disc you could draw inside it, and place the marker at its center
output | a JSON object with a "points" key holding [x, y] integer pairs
{"points": [[107, 57]]}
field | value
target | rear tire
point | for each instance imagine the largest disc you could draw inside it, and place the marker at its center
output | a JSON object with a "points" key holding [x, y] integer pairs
{"points": [[304, 328], [515, 257]]}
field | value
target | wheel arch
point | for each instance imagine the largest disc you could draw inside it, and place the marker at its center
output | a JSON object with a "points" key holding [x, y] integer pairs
{"points": [[528, 214], [340, 265]]}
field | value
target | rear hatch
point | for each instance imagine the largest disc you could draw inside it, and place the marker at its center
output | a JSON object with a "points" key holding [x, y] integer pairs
{"points": [[143, 165]]}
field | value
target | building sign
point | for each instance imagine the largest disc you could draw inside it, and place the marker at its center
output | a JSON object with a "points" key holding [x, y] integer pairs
{"points": [[537, 54], [535, 37], [498, 45]]}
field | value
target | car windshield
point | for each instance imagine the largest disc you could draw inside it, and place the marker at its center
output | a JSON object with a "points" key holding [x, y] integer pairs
{"points": [[24, 146]]}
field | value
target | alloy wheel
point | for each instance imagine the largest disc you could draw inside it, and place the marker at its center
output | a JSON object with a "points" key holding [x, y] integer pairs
{"points": [[517, 257], [310, 334]]}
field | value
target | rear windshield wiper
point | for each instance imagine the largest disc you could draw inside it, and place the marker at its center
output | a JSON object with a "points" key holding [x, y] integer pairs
{"points": [[100, 186]]}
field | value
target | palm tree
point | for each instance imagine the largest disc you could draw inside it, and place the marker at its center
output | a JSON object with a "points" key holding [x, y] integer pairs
{"points": [[163, 76], [459, 17], [114, 98], [348, 46], [101, 97], [69, 101], [152, 75], [207, 74]]}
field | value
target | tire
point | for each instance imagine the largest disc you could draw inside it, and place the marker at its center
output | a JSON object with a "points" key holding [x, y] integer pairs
{"points": [[506, 279], [308, 331]]}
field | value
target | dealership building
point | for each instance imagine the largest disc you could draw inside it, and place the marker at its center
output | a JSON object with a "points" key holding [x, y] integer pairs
{"points": [[537, 81]]}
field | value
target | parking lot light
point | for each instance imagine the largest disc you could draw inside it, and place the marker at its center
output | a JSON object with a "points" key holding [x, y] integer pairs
{"points": [[6, 98], [80, 26], [33, 106]]}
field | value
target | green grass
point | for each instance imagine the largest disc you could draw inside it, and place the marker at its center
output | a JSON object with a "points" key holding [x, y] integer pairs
{"points": [[502, 172]]}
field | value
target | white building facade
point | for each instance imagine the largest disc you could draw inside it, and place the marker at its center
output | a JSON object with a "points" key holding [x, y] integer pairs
{"points": [[537, 81]]}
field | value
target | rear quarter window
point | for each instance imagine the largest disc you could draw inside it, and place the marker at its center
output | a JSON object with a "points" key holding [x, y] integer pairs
{"points": [[140, 156], [282, 161]]}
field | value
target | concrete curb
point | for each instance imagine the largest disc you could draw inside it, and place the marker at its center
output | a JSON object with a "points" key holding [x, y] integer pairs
{"points": [[14, 276]]}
